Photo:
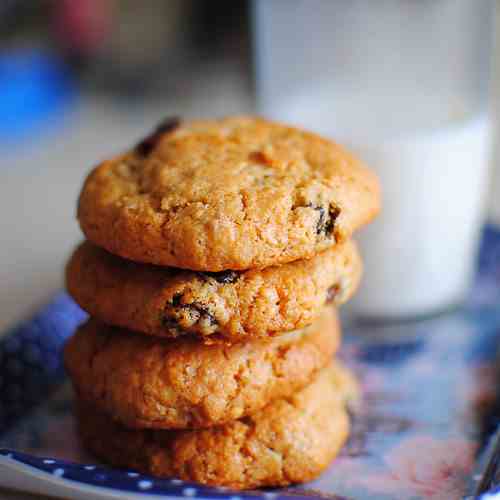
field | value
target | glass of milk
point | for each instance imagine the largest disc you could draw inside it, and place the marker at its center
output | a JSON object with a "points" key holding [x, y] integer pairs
{"points": [[404, 84]]}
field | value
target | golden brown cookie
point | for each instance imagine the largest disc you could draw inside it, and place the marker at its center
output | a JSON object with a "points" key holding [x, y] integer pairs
{"points": [[235, 193], [236, 306], [290, 441], [149, 382]]}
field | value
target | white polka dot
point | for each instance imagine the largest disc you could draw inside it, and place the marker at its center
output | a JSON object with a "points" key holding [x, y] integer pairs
{"points": [[189, 492], [145, 485], [58, 472], [269, 495], [132, 474], [176, 481], [49, 461], [89, 467], [222, 488], [235, 498]]}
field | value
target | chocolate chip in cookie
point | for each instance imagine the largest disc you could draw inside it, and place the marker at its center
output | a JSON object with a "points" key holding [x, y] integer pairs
{"points": [[332, 293], [223, 277], [145, 147], [326, 219], [181, 315]]}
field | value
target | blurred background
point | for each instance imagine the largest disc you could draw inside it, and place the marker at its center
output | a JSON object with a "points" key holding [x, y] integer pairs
{"points": [[408, 85], [80, 80]]}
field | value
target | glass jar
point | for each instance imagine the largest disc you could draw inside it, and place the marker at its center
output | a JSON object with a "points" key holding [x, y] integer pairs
{"points": [[404, 84]]}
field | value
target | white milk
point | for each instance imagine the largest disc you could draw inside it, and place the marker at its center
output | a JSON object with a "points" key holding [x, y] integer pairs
{"points": [[431, 157]]}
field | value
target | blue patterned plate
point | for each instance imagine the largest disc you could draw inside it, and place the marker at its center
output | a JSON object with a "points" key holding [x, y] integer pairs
{"points": [[75, 480], [430, 408]]}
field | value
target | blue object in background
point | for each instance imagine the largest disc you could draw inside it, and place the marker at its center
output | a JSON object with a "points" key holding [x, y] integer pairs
{"points": [[36, 89]]}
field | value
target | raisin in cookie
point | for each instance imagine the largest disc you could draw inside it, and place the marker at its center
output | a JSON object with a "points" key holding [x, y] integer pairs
{"points": [[234, 306], [290, 441], [147, 382], [234, 193]]}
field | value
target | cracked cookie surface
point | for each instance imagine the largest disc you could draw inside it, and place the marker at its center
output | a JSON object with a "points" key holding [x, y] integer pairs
{"points": [[289, 441], [148, 382], [231, 305], [234, 193]]}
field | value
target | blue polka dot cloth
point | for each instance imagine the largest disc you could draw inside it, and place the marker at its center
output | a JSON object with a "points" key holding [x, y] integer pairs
{"points": [[31, 366]]}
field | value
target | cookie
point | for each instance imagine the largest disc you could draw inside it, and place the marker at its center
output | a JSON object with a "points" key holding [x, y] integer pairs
{"points": [[232, 305], [149, 382], [290, 441], [234, 193]]}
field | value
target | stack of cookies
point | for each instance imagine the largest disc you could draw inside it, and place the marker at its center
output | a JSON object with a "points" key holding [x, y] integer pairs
{"points": [[215, 252]]}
